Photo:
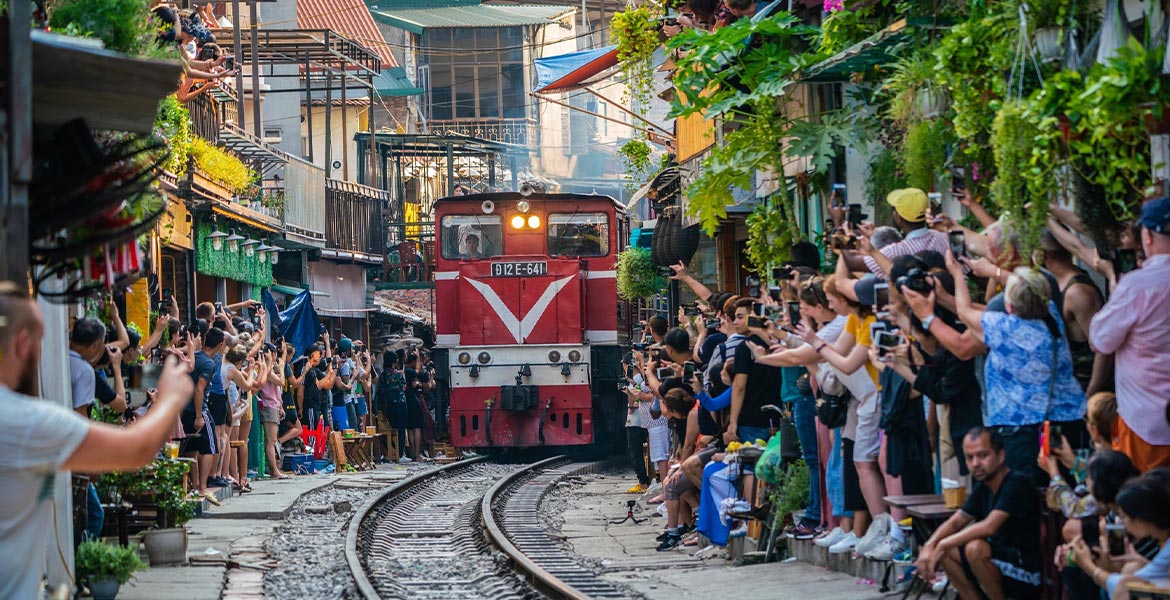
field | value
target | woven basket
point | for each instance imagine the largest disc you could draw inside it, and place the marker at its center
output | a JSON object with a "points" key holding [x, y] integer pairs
{"points": [[954, 497]]}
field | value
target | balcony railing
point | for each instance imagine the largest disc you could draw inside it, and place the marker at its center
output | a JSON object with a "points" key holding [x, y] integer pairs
{"points": [[210, 113], [523, 132], [304, 202], [353, 217]]}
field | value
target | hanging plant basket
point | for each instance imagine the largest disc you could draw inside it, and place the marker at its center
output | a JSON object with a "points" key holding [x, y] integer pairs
{"points": [[1048, 43], [637, 277], [932, 102]]}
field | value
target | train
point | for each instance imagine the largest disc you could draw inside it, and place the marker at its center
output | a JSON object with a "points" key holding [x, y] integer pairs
{"points": [[529, 329]]}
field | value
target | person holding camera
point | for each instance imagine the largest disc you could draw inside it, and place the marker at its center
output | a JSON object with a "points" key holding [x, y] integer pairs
{"points": [[636, 434], [1113, 560], [910, 206], [318, 380]]}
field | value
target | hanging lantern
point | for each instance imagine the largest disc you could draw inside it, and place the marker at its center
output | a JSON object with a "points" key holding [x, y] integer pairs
{"points": [[249, 247], [274, 255], [262, 252], [217, 238], [233, 241]]}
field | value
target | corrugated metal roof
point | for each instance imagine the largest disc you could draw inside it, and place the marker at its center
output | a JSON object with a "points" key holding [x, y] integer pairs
{"points": [[480, 15], [393, 82], [350, 18]]}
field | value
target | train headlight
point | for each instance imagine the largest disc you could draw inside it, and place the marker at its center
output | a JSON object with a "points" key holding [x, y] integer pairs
{"points": [[518, 222], [464, 358], [533, 222], [523, 206], [574, 356], [484, 358], [554, 357]]}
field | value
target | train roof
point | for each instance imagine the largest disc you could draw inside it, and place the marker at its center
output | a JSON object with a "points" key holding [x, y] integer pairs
{"points": [[498, 197]]}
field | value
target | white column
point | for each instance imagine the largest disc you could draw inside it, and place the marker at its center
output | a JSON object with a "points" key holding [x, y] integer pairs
{"points": [[1160, 160], [56, 387]]}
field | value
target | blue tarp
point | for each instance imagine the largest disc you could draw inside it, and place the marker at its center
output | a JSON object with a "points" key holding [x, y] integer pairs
{"points": [[298, 324], [553, 68]]}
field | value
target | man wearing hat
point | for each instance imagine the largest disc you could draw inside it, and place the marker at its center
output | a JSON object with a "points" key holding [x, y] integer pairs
{"points": [[909, 206], [1133, 326]]}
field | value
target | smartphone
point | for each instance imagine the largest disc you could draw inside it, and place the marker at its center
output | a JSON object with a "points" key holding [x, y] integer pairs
{"points": [[663, 373], [958, 241], [887, 340], [878, 327], [1126, 261], [230, 63], [1091, 531], [783, 273], [1115, 533], [757, 321], [164, 305], [793, 313], [935, 203], [218, 307], [881, 295], [774, 293], [1053, 437], [842, 197], [958, 180], [688, 370], [712, 323]]}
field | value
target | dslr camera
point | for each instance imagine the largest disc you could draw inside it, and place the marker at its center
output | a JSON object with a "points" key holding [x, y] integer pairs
{"points": [[915, 280]]}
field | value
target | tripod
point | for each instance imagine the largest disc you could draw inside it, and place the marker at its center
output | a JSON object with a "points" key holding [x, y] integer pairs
{"points": [[630, 504]]}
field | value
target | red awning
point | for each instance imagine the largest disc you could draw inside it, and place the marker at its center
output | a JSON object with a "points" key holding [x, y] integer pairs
{"points": [[568, 72]]}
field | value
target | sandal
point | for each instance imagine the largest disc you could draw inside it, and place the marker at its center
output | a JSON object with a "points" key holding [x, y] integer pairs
{"points": [[210, 498], [656, 500]]}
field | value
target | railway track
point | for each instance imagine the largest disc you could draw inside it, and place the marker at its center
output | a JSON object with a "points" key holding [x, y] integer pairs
{"points": [[469, 530]]}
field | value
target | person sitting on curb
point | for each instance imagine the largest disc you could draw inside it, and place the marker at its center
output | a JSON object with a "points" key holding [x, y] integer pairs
{"points": [[999, 553]]}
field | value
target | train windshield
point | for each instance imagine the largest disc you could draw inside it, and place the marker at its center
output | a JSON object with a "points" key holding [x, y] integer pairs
{"points": [[580, 234], [472, 236]]}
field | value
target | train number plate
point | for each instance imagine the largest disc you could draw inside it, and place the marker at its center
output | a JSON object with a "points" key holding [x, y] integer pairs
{"points": [[519, 269]]}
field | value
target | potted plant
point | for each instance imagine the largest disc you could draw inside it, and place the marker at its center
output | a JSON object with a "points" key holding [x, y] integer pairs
{"points": [[913, 91], [168, 544], [636, 32], [106, 567], [636, 276]]}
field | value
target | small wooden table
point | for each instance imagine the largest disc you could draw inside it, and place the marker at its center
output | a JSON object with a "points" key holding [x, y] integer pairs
{"points": [[927, 518], [1154, 589], [912, 500], [358, 451]]}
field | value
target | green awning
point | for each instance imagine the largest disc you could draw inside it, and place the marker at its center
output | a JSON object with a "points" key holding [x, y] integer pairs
{"points": [[875, 50], [393, 82], [418, 20], [294, 291]]}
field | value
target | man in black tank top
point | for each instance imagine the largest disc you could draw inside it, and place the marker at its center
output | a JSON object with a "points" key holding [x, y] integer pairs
{"points": [[1079, 300]]}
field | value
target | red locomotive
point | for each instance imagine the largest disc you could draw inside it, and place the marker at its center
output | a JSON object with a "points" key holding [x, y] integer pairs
{"points": [[527, 317]]}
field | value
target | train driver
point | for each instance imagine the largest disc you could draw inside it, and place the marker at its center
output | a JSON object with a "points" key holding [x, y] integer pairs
{"points": [[470, 242]]}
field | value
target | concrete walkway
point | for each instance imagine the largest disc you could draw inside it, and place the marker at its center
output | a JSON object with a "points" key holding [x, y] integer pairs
{"points": [[626, 553], [240, 525]]}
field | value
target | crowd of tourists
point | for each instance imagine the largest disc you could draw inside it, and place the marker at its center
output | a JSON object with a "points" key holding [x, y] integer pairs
{"points": [[930, 354]]}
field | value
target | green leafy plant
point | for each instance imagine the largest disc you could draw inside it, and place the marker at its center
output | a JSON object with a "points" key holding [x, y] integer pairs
{"points": [[160, 482], [771, 231], [791, 494], [885, 176], [909, 76], [1023, 176], [841, 29], [970, 62], [1110, 143], [123, 25], [635, 31], [173, 124], [221, 166], [635, 155], [924, 152], [96, 561], [636, 276]]}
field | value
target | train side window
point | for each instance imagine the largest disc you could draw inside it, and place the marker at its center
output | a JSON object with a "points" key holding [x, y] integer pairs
{"points": [[578, 234], [472, 236]]}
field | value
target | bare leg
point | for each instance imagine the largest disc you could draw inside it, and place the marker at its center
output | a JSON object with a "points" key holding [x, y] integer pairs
{"points": [[221, 434], [242, 457], [860, 522], [270, 442], [986, 573], [872, 487], [672, 514], [957, 576], [206, 468], [846, 523], [692, 469], [415, 442], [293, 432]]}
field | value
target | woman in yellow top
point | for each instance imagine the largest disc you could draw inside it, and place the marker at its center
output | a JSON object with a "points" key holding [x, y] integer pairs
{"points": [[848, 356]]}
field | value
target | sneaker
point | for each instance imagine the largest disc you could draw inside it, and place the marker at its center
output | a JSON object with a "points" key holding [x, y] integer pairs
{"points": [[802, 532], [939, 584], [404, 460], [672, 541], [827, 540], [844, 545], [667, 533], [878, 530], [886, 550], [637, 489]]}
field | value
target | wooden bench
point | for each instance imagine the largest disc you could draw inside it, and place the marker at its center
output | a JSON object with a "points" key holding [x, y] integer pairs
{"points": [[912, 500], [1155, 589]]}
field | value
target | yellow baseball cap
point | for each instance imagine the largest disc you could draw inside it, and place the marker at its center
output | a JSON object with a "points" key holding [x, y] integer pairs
{"points": [[909, 203]]}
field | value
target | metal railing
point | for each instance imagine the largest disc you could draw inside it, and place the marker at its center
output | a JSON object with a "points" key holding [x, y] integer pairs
{"points": [[209, 114], [353, 217], [523, 132], [304, 200]]}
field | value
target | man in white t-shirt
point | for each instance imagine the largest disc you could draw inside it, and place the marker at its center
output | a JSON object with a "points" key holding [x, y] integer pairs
{"points": [[41, 438]]}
